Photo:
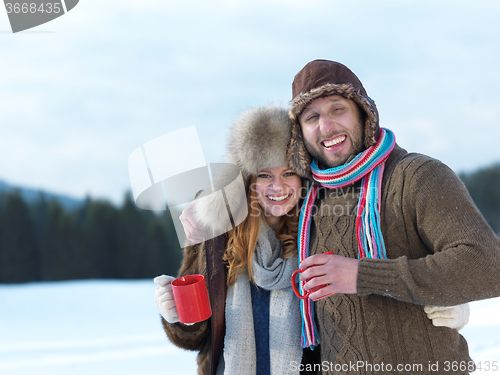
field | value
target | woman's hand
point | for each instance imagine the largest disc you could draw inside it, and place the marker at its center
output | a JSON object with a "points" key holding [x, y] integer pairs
{"points": [[193, 230], [164, 298]]}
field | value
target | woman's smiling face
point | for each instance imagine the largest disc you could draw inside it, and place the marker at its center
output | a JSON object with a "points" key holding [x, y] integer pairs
{"points": [[278, 191]]}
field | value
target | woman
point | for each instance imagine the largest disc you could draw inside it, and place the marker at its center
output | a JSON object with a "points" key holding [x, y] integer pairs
{"points": [[262, 315], [256, 326]]}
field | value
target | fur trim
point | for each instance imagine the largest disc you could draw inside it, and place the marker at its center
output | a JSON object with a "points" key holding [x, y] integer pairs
{"points": [[299, 157], [258, 140]]}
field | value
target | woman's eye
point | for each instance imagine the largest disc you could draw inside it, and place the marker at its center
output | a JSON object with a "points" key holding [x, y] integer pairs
{"points": [[288, 174], [263, 175]]}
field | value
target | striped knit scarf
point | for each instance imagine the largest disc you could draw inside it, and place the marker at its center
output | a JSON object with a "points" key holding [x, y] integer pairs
{"points": [[369, 167]]}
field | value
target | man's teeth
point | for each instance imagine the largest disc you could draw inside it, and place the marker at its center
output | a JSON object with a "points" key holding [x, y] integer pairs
{"points": [[279, 199], [335, 141]]}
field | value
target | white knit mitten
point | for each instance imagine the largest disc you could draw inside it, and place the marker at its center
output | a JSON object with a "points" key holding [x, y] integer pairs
{"points": [[164, 298], [455, 317]]}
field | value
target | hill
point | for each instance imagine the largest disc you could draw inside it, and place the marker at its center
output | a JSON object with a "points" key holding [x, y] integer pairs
{"points": [[30, 195]]}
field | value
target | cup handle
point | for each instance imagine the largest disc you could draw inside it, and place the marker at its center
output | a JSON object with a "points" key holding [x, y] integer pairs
{"points": [[294, 285]]}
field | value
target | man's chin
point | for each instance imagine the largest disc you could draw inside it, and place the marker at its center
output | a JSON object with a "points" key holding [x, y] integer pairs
{"points": [[327, 163]]}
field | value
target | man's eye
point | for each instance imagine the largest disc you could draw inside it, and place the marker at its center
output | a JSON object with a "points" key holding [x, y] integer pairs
{"points": [[311, 118]]}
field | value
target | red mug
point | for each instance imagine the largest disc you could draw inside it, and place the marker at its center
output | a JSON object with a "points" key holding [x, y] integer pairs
{"points": [[191, 298], [294, 285]]}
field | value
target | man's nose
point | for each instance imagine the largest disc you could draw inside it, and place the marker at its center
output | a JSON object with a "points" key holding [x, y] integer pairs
{"points": [[325, 124]]}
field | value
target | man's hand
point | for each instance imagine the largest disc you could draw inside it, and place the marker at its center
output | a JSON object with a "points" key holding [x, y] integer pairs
{"points": [[455, 317], [194, 232], [339, 273]]}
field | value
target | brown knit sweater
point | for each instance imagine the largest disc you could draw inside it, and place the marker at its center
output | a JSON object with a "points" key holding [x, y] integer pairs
{"points": [[440, 252]]}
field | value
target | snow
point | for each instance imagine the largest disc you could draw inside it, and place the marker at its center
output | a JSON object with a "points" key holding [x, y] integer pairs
{"points": [[112, 327], [86, 327], [483, 334]]}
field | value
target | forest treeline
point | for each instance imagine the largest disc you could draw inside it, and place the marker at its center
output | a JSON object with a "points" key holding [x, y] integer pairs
{"points": [[40, 240], [484, 188]]}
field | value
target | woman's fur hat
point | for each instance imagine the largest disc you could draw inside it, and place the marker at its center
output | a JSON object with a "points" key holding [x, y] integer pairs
{"points": [[318, 79], [258, 140]]}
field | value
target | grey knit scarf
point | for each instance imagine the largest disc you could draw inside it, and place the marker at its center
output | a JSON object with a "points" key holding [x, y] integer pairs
{"points": [[273, 273]]}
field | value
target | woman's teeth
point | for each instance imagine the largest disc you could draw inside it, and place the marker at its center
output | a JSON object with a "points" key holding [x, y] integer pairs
{"points": [[334, 141], [279, 199]]}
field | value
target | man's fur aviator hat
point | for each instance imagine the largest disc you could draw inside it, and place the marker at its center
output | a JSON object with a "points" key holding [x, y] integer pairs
{"points": [[318, 79], [258, 140]]}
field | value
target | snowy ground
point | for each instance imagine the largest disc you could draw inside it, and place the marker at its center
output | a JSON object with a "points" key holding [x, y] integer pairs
{"points": [[86, 327], [112, 327]]}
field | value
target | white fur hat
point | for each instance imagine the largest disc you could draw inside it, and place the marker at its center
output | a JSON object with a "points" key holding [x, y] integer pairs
{"points": [[259, 139]]}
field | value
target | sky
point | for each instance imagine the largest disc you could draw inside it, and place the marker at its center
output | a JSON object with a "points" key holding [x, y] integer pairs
{"points": [[79, 94]]}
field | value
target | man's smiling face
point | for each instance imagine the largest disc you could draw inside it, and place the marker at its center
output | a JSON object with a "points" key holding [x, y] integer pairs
{"points": [[332, 130]]}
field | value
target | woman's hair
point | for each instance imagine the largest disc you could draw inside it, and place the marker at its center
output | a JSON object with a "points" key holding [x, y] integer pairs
{"points": [[243, 239]]}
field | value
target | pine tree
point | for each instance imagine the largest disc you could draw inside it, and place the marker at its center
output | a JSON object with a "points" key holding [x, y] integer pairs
{"points": [[164, 253], [99, 227], [133, 240], [484, 188], [19, 256]]}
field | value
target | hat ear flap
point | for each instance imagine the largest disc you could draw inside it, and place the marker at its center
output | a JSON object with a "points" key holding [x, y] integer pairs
{"points": [[297, 154], [371, 125]]}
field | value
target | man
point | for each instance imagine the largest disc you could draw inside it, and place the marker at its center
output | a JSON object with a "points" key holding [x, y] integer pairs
{"points": [[403, 228]]}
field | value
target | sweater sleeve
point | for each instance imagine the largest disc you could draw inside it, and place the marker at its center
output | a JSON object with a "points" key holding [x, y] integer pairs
{"points": [[463, 261], [191, 337]]}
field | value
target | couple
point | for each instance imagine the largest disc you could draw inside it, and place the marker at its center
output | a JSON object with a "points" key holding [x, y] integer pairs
{"points": [[403, 229]]}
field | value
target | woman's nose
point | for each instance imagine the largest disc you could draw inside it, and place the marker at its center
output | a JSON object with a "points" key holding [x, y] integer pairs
{"points": [[277, 184]]}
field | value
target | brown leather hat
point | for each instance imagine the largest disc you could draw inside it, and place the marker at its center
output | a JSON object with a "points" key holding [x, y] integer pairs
{"points": [[321, 72], [320, 78]]}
